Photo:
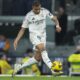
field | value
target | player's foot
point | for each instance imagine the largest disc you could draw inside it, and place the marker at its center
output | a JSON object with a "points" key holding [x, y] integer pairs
{"points": [[17, 67]]}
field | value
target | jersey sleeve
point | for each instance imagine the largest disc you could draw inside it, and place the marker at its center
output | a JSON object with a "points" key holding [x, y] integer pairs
{"points": [[25, 22], [49, 14]]}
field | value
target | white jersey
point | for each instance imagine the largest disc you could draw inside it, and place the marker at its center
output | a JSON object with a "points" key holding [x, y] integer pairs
{"points": [[36, 23]]}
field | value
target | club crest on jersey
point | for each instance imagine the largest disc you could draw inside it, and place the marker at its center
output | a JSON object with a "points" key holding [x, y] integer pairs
{"points": [[49, 14]]}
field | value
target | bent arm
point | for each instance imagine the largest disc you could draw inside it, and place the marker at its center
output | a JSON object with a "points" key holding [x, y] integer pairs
{"points": [[58, 28], [56, 21]]}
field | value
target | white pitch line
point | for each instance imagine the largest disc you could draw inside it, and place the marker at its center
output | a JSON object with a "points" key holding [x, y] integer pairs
{"points": [[25, 76]]}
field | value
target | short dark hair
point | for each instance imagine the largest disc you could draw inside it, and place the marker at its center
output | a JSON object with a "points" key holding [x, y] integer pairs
{"points": [[36, 3]]}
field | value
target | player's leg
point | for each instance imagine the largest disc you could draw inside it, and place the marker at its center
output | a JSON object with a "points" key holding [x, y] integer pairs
{"points": [[42, 50], [35, 59]]}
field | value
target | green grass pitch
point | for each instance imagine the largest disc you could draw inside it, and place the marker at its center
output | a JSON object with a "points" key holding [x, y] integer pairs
{"points": [[40, 78]]}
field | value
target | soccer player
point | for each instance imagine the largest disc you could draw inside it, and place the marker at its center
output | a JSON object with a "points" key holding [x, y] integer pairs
{"points": [[5, 67], [35, 20]]}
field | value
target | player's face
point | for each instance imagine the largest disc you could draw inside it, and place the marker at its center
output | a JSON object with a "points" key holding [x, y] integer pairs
{"points": [[36, 9]]}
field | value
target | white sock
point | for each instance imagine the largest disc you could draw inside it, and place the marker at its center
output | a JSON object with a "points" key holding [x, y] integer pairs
{"points": [[29, 62], [46, 59]]}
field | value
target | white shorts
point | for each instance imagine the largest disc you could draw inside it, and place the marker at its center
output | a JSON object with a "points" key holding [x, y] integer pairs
{"points": [[37, 39]]}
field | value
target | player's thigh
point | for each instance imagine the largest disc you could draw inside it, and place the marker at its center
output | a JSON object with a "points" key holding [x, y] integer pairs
{"points": [[42, 45], [38, 41], [35, 39]]}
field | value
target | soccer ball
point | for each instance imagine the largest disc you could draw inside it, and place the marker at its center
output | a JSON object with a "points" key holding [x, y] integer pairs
{"points": [[57, 66]]}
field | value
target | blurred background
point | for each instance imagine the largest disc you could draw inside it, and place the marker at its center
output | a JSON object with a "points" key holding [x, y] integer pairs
{"points": [[63, 46]]}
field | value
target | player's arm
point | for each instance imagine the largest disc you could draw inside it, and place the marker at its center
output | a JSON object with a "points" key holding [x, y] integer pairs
{"points": [[58, 28], [53, 18], [21, 32]]}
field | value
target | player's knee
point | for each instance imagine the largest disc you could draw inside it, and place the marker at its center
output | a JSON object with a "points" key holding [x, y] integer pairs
{"points": [[40, 48]]}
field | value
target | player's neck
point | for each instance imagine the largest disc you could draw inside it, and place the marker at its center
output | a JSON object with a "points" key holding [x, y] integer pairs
{"points": [[35, 13]]}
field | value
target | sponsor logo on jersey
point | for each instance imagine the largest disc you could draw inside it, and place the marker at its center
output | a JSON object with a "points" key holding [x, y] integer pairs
{"points": [[37, 22]]}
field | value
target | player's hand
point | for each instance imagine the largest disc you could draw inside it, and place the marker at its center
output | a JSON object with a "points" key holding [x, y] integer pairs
{"points": [[58, 28], [15, 43]]}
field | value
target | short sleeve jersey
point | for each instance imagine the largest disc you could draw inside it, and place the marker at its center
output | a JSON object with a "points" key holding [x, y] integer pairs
{"points": [[36, 22]]}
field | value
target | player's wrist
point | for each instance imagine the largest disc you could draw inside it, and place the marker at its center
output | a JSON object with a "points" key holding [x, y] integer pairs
{"points": [[57, 26]]}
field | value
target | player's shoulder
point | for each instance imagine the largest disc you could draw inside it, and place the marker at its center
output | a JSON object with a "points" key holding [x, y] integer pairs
{"points": [[44, 9]]}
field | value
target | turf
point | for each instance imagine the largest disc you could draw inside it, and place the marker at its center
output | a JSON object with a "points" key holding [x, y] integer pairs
{"points": [[40, 78]]}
